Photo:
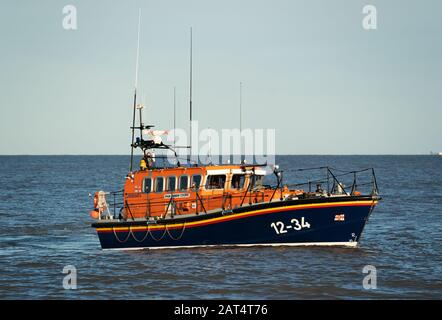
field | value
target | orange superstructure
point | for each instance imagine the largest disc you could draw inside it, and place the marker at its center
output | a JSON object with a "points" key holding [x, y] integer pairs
{"points": [[199, 189]]}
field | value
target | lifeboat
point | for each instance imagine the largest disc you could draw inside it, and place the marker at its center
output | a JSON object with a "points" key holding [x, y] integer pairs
{"points": [[227, 205], [196, 205]]}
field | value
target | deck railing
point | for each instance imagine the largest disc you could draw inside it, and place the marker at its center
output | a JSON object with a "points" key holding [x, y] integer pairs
{"points": [[334, 180], [337, 182]]}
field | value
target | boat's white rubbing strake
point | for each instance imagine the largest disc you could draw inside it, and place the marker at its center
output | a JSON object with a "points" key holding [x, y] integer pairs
{"points": [[305, 244]]}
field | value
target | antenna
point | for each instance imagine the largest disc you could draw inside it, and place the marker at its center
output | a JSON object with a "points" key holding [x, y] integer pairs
{"points": [[190, 94], [240, 107], [209, 152], [240, 119], [135, 93], [174, 115], [140, 107]]}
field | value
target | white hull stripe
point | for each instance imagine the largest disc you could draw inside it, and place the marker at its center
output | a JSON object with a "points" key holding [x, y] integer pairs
{"points": [[300, 244]]}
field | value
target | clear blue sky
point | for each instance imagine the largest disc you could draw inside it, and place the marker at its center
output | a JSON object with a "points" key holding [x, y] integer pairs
{"points": [[309, 70]]}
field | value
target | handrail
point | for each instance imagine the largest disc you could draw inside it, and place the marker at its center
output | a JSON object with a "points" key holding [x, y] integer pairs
{"points": [[375, 189], [154, 205], [167, 208], [202, 204], [249, 188], [336, 181], [130, 212]]}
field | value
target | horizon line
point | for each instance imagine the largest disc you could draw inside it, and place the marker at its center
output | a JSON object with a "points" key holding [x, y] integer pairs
{"points": [[223, 155]]}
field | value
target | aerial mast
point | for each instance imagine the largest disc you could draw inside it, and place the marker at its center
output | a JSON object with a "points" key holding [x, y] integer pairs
{"points": [[135, 93], [190, 95], [240, 120], [174, 115], [240, 106]]}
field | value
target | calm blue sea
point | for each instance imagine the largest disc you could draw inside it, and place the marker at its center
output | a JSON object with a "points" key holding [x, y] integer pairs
{"points": [[45, 225]]}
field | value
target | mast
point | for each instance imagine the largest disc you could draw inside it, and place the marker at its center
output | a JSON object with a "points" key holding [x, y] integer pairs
{"points": [[240, 107], [190, 95], [174, 115], [209, 152], [135, 93], [240, 120], [140, 107]]}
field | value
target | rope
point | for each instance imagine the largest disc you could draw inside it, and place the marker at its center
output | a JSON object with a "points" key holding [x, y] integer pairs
{"points": [[181, 235], [118, 239], [162, 236], [130, 232], [135, 238]]}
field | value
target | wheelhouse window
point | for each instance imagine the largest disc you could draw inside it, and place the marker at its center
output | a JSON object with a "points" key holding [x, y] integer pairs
{"points": [[147, 185], [238, 181], [216, 181], [159, 184], [196, 181], [184, 182], [258, 180], [171, 183]]}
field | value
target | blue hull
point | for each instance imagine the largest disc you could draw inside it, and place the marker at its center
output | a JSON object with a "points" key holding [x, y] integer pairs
{"points": [[283, 223]]}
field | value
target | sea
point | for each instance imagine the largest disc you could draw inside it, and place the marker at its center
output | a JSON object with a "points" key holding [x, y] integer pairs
{"points": [[46, 236]]}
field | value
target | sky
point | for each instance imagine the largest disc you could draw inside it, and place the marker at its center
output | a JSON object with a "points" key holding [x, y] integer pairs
{"points": [[309, 70]]}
